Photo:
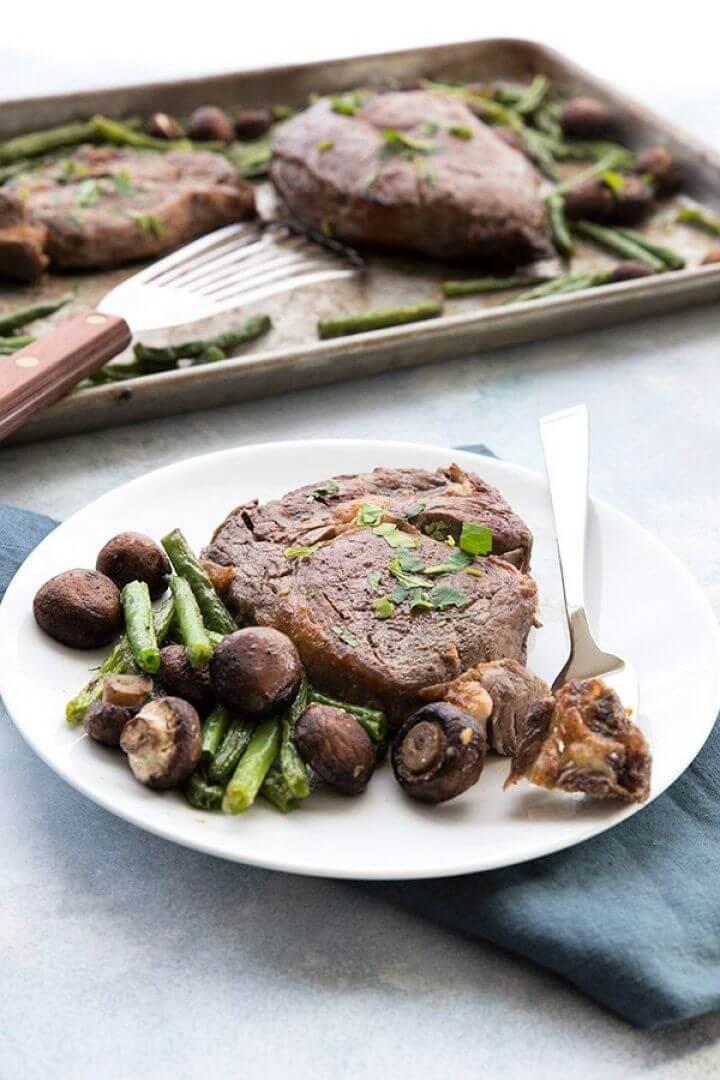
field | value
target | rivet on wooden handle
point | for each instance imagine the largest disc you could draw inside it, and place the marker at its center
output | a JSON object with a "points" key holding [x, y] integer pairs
{"points": [[44, 371]]}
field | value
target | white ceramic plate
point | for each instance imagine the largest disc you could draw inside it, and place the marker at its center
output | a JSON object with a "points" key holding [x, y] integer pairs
{"points": [[643, 605]]}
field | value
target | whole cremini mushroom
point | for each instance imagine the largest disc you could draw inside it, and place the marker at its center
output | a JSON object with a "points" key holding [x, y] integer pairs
{"points": [[630, 270], [657, 164], [252, 123], [104, 722], [178, 677], [594, 200], [163, 742], [132, 556], [256, 671], [336, 747], [80, 608], [438, 753], [209, 123], [584, 117]]}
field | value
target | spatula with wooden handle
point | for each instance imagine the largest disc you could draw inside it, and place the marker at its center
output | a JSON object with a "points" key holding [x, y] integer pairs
{"points": [[222, 271]]}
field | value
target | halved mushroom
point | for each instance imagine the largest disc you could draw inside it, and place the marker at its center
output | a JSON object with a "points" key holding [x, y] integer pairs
{"points": [[438, 753], [80, 608], [132, 556], [129, 691], [178, 677], [104, 722], [582, 741], [163, 742], [256, 671], [334, 744]]}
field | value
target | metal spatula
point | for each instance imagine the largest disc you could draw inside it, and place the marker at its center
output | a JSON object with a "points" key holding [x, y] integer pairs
{"points": [[220, 272], [565, 439]]}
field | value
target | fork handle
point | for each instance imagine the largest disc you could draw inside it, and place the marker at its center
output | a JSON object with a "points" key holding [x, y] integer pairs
{"points": [[44, 371], [565, 439]]}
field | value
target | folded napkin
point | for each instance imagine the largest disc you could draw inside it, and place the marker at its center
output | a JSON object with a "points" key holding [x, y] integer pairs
{"points": [[632, 917]]}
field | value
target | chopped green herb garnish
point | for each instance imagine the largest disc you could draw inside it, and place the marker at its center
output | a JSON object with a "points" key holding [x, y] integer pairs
{"points": [[445, 596], [614, 180], [88, 193], [461, 132], [421, 602], [384, 608], [324, 145], [301, 552], [476, 539], [695, 215], [409, 561], [330, 487], [122, 182], [347, 104], [370, 514], [373, 580], [474, 571], [456, 560], [414, 511], [326, 228], [393, 536], [149, 224], [428, 129], [70, 170], [399, 142], [409, 580], [345, 636], [399, 594], [436, 530]]}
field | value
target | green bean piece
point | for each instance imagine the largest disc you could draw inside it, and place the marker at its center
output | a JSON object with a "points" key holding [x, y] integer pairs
{"points": [[558, 224], [252, 768], [139, 626], [40, 142], [476, 286], [190, 620], [10, 345], [119, 661], [596, 150], [203, 795], [541, 149], [614, 241], [215, 725], [534, 96], [215, 615], [251, 159], [13, 320], [292, 765], [234, 744], [372, 720], [153, 357], [695, 215], [564, 284], [672, 260], [120, 134], [361, 321], [611, 162], [276, 790]]}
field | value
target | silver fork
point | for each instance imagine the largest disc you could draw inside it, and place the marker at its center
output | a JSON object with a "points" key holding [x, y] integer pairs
{"points": [[220, 272], [565, 439]]}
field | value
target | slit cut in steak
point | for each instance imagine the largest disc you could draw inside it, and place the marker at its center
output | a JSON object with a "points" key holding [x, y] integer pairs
{"points": [[104, 206], [324, 597], [413, 171]]}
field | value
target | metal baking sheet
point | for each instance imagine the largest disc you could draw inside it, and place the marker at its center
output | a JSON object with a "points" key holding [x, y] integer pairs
{"points": [[291, 356]]}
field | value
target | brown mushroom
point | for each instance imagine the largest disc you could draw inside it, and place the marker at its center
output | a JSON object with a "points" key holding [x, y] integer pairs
{"points": [[252, 123], [179, 678], [595, 200], [209, 123], [104, 722], [658, 165], [584, 117], [256, 671], [333, 743], [163, 742], [629, 270], [132, 556], [162, 126], [80, 608], [438, 753], [130, 691]]}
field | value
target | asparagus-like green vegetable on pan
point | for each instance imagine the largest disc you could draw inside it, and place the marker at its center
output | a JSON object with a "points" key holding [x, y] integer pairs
{"points": [[14, 320], [215, 615], [672, 260], [695, 215], [558, 224], [477, 286], [139, 626], [564, 284], [12, 344], [42, 142], [534, 96], [361, 321], [252, 768], [115, 131], [190, 621], [615, 241], [159, 358]]}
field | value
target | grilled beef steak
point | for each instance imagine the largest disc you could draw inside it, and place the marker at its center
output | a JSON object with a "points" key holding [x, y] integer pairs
{"points": [[413, 171], [582, 741], [307, 565], [21, 242], [104, 207]]}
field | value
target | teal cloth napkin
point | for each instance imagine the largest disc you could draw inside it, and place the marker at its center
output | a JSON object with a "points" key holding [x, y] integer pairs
{"points": [[631, 917]]}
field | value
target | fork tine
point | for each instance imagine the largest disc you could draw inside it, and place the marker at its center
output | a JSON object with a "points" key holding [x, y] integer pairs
{"points": [[244, 295], [231, 247], [256, 254], [255, 272], [176, 258]]}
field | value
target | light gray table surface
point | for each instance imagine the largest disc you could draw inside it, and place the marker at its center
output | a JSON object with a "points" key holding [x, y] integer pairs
{"points": [[122, 955]]}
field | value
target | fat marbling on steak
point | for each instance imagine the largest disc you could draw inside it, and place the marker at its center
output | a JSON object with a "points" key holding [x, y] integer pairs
{"points": [[326, 601], [107, 206], [462, 193]]}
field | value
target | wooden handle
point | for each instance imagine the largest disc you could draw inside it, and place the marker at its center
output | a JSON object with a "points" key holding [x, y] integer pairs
{"points": [[44, 371]]}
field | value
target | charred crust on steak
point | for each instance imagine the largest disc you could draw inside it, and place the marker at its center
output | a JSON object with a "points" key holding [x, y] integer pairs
{"points": [[583, 741]]}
